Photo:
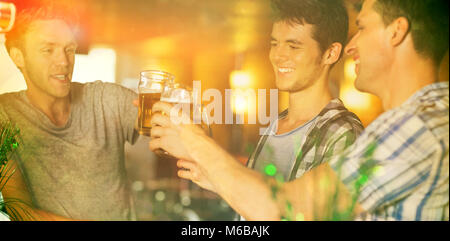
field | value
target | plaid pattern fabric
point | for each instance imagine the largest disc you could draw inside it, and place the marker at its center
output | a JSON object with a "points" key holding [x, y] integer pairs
{"points": [[398, 169], [334, 129]]}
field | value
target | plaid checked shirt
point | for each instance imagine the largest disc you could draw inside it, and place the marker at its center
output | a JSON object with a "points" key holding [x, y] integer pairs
{"points": [[400, 163], [333, 130]]}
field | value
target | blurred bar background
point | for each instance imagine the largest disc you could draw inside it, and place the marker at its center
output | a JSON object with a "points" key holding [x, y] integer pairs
{"points": [[223, 43]]}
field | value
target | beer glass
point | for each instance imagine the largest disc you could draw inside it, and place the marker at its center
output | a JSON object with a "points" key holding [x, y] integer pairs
{"points": [[151, 85], [188, 101], [7, 16], [183, 97]]}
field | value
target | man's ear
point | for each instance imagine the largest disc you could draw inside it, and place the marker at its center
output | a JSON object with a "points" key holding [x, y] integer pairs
{"points": [[17, 57], [399, 29], [331, 56]]}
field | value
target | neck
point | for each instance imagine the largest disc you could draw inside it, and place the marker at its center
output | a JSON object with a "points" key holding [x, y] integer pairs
{"points": [[406, 77], [56, 109], [308, 103]]}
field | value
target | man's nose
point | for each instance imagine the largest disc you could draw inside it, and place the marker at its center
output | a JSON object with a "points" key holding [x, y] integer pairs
{"points": [[61, 58], [280, 54], [351, 47]]}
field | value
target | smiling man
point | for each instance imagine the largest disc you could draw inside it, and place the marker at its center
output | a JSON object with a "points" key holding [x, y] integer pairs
{"points": [[71, 156], [305, 45]]}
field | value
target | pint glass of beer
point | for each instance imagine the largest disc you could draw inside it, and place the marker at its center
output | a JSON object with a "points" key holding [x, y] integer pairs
{"points": [[185, 100], [7, 15], [188, 102], [151, 85]]}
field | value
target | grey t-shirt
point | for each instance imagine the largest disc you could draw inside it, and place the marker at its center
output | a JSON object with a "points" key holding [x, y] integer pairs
{"points": [[77, 171], [281, 150]]}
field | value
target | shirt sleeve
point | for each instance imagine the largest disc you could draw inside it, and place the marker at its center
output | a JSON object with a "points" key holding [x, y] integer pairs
{"points": [[343, 135], [389, 162], [122, 99]]}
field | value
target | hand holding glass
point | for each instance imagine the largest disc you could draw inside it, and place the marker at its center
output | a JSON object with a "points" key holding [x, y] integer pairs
{"points": [[184, 105]]}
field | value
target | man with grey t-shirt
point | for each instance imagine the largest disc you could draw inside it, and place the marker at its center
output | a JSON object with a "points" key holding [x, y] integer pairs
{"points": [[71, 155]]}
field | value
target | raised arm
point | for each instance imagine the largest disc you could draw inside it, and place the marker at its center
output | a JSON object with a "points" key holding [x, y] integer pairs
{"points": [[250, 193]]}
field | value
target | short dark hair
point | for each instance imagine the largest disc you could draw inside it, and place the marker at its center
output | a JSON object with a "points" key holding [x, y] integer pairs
{"points": [[428, 20], [329, 18], [24, 19]]}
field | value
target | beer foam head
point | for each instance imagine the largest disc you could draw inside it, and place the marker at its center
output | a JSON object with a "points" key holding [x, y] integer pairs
{"points": [[177, 96]]}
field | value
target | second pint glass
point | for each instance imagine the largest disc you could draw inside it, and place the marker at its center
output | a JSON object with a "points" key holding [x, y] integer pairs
{"points": [[150, 87]]}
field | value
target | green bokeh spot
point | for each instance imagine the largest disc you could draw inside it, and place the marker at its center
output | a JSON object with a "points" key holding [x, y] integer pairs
{"points": [[270, 170], [362, 180]]}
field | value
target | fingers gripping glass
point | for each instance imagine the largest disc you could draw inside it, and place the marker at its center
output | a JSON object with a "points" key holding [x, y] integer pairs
{"points": [[184, 98]]}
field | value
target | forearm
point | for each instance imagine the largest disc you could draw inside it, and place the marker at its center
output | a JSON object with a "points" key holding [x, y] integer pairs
{"points": [[246, 191], [318, 195], [315, 196]]}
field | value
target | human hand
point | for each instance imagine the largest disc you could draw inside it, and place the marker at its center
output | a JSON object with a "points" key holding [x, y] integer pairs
{"points": [[192, 171], [172, 133]]}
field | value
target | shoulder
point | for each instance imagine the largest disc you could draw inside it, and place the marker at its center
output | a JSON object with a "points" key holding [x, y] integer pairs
{"points": [[99, 86], [8, 97], [336, 118], [102, 90], [405, 134], [429, 111], [8, 101]]}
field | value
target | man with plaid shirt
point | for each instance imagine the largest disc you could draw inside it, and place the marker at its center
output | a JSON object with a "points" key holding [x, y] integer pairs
{"points": [[398, 169]]}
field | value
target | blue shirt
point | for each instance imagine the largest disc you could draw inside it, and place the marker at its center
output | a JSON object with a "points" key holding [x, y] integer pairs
{"points": [[398, 169]]}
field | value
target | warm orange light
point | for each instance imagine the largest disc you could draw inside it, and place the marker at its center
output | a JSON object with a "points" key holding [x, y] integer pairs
{"points": [[161, 46], [355, 99], [240, 79], [366, 106], [349, 68], [240, 103], [99, 64]]}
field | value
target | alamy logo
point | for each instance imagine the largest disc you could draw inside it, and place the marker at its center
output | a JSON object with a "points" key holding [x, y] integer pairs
{"points": [[213, 113]]}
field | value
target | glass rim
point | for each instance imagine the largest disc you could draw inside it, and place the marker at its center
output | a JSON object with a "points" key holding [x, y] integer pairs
{"points": [[160, 72]]}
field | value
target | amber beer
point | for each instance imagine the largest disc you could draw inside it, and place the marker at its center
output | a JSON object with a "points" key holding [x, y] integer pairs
{"points": [[146, 101], [185, 105], [150, 88]]}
